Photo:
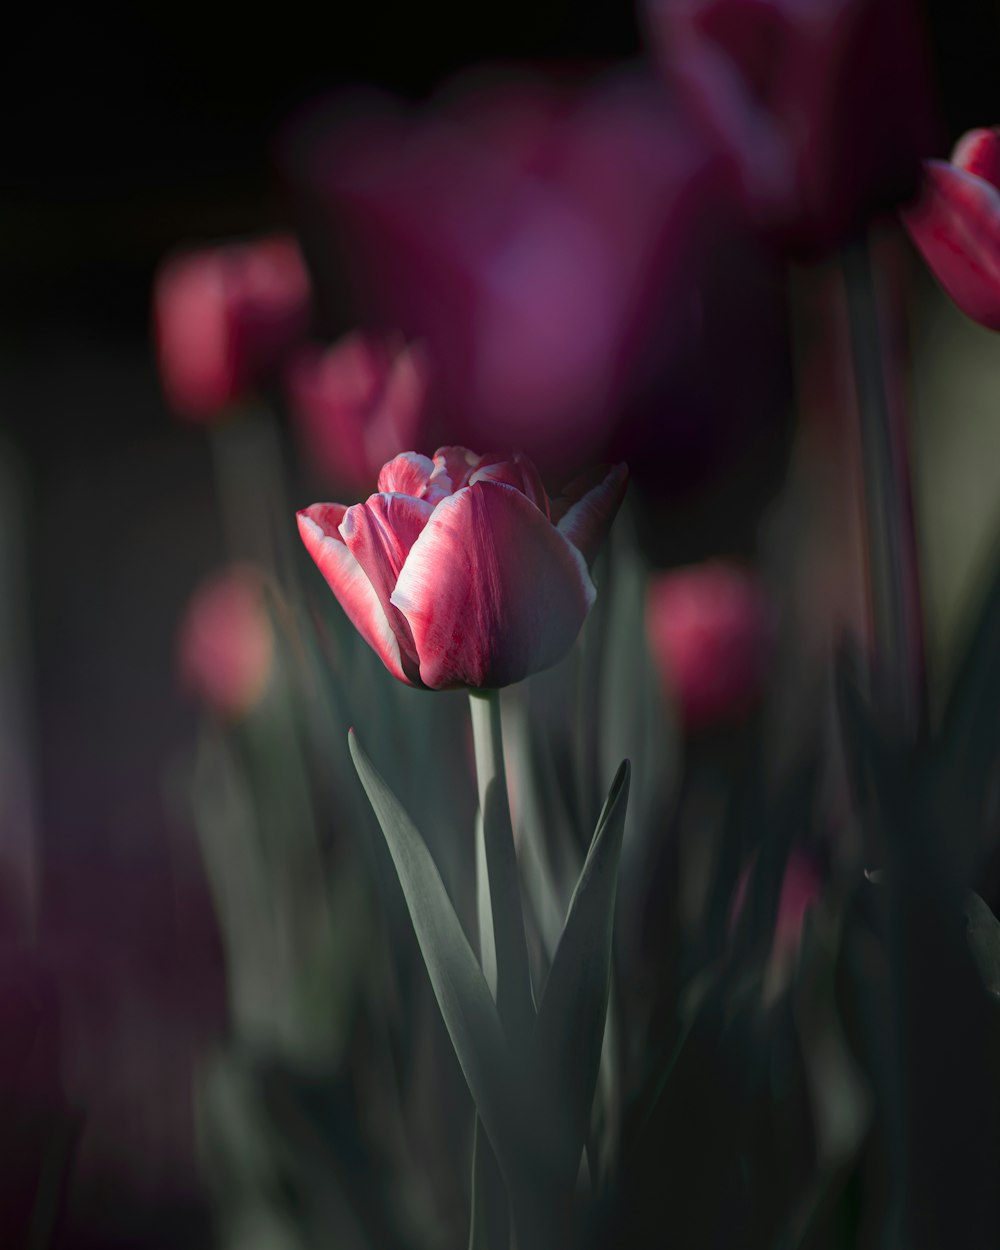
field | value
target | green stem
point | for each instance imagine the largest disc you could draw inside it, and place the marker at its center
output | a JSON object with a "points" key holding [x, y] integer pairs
{"points": [[501, 925], [892, 547], [514, 1001]]}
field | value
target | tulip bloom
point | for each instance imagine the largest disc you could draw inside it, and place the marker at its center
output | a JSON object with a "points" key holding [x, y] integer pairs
{"points": [[823, 105], [224, 319], [226, 643], [708, 630], [544, 245], [357, 404], [956, 224], [461, 571]]}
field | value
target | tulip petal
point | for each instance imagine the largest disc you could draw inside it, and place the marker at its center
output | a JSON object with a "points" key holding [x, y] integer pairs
{"points": [[379, 534], [407, 474], [318, 526], [587, 519], [491, 590], [956, 226], [458, 462], [978, 153], [518, 472]]}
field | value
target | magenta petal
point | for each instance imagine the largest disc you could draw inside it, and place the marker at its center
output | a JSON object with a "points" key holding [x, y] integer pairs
{"points": [[379, 534], [407, 474], [978, 153], [458, 462], [492, 592], [587, 519], [956, 226], [318, 526], [518, 472]]}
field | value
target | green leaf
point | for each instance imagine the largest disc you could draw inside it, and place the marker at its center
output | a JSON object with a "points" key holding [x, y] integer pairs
{"points": [[569, 1031], [489, 1227], [456, 978], [513, 979], [484, 911], [983, 933]]}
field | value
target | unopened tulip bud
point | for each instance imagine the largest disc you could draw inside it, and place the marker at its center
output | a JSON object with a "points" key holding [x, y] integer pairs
{"points": [[224, 319], [709, 633], [357, 404], [226, 644]]}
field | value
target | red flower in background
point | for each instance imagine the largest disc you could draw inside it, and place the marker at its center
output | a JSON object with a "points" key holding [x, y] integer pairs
{"points": [[460, 571], [226, 642], [956, 224], [822, 105], [224, 319], [544, 245], [709, 632], [356, 405]]}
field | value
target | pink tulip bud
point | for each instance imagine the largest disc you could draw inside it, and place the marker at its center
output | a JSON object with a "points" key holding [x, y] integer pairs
{"points": [[801, 887], [224, 318], [226, 644], [457, 573], [955, 224], [709, 632], [357, 404]]}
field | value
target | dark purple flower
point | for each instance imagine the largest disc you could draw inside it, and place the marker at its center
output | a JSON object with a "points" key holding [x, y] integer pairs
{"points": [[822, 105], [545, 246]]}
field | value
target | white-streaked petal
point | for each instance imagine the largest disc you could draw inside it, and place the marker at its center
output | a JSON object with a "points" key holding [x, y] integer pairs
{"points": [[318, 526], [491, 590]]}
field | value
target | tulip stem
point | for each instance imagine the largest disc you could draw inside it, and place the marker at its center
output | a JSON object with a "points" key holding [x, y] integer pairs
{"points": [[515, 1006], [893, 564], [513, 996]]}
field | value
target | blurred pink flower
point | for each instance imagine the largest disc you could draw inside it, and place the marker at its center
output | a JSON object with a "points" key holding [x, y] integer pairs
{"points": [[226, 642], [956, 224], [801, 887], [357, 404], [709, 632], [823, 105], [460, 572], [224, 319], [544, 244]]}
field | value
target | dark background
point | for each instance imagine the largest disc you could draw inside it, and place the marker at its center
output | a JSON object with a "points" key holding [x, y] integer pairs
{"points": [[120, 137]]}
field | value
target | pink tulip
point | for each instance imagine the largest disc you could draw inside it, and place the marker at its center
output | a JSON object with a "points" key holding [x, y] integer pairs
{"points": [[224, 319], [801, 888], [461, 571], [357, 404], [709, 632], [823, 105], [545, 246], [956, 224], [226, 643]]}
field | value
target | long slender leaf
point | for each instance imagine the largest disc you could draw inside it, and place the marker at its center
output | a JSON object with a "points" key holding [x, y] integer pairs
{"points": [[569, 1031], [456, 978], [489, 1227], [983, 932]]}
